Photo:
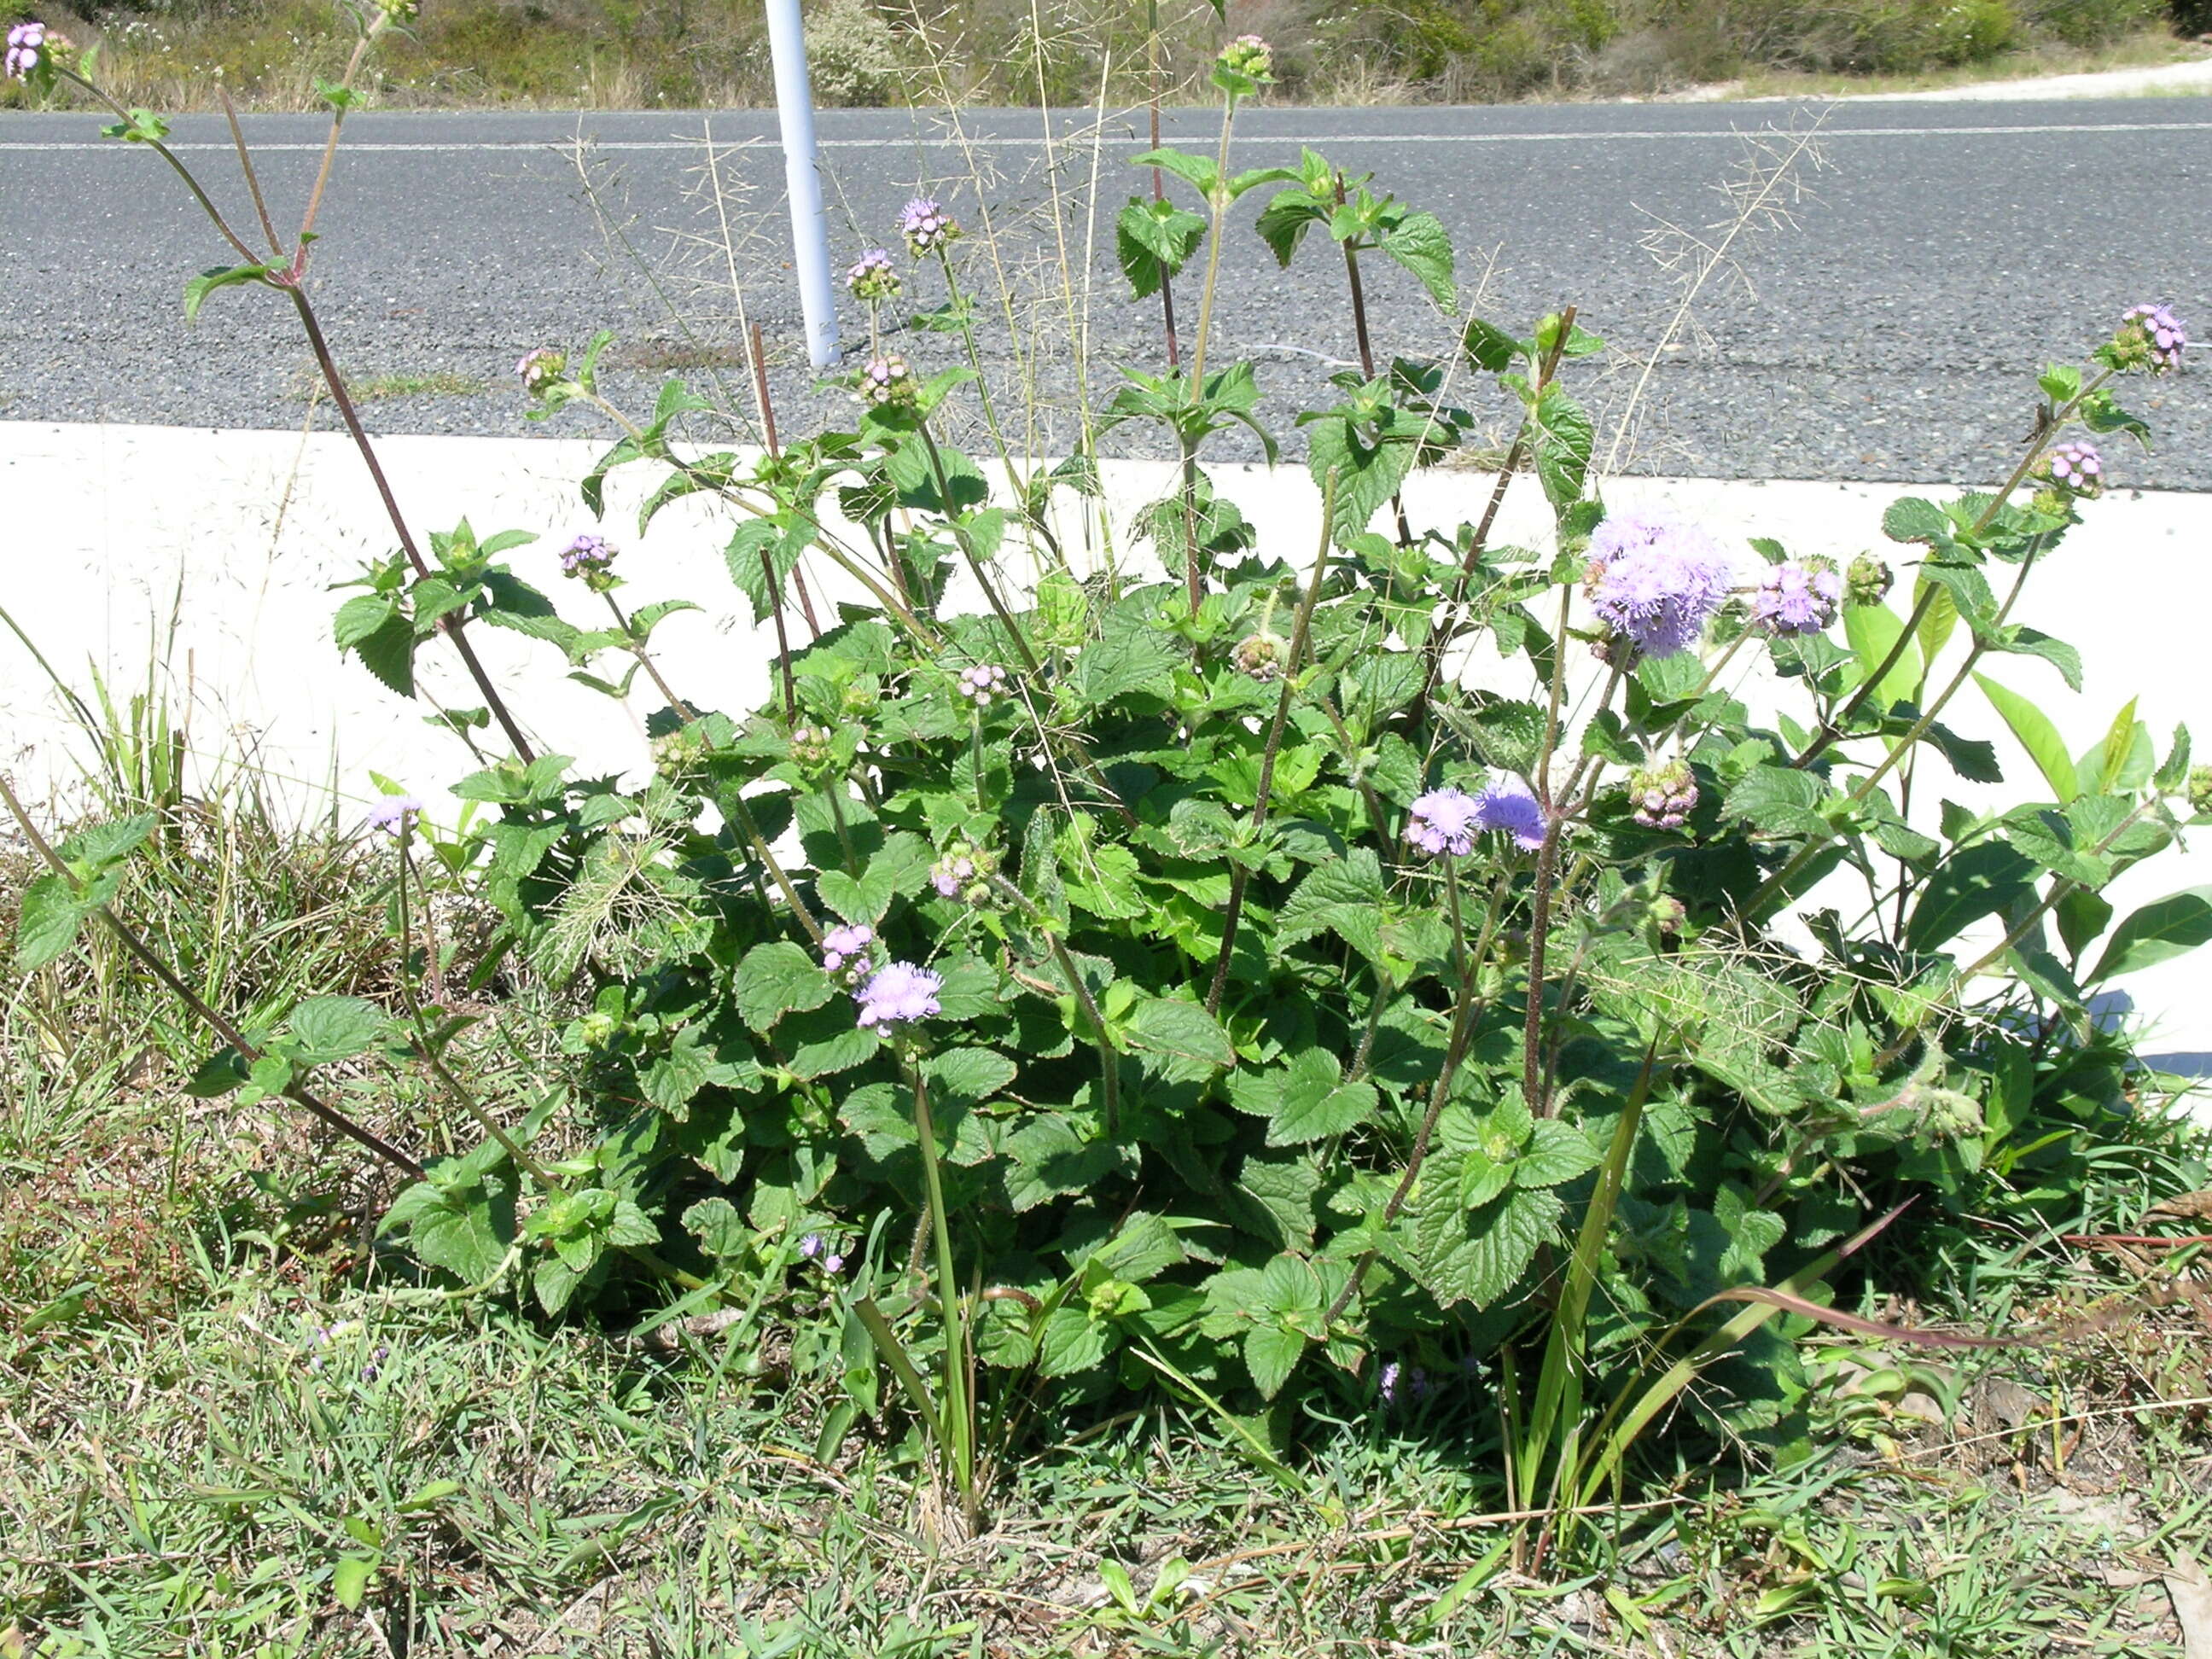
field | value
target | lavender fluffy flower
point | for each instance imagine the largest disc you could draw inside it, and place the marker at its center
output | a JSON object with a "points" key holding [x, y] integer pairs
{"points": [[1508, 805], [872, 278], [392, 811], [1445, 821], [2075, 467], [1656, 580], [810, 1246], [2151, 337], [926, 226], [899, 992], [587, 557], [1798, 596], [833, 1263], [26, 42], [844, 949]]}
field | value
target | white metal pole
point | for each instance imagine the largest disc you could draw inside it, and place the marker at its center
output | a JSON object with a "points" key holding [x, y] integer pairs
{"points": [[802, 173]]}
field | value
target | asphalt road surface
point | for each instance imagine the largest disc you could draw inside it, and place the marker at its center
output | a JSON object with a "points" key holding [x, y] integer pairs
{"points": [[1935, 255]]}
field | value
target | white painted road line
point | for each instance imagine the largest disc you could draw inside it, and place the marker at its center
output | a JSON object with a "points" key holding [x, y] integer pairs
{"points": [[931, 141]]}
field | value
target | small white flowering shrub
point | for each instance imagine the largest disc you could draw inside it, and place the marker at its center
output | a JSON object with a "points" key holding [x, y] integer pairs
{"points": [[1190, 984]]}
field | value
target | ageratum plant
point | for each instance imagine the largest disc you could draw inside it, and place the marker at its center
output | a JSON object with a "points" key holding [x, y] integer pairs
{"points": [[1186, 981]]}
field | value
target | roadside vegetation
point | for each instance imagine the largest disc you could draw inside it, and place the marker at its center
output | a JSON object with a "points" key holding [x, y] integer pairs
{"points": [[643, 54], [1149, 1093]]}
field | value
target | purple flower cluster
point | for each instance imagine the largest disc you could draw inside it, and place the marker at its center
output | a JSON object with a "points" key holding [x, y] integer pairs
{"points": [[964, 873], [1445, 822], [899, 992], [872, 277], [887, 379], [540, 369], [26, 42], [1798, 596], [2076, 467], [1657, 581], [980, 684], [587, 557], [392, 812], [812, 1248], [2151, 337], [1663, 796], [845, 951], [926, 226]]}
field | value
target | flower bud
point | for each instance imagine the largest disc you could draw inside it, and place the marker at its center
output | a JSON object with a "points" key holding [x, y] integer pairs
{"points": [[1667, 914], [1868, 580], [34, 52], [1248, 55], [981, 683], [1260, 655], [2075, 468], [964, 873], [810, 747], [845, 952], [1663, 797], [926, 226], [542, 369], [2151, 341], [591, 559], [887, 381], [872, 279], [2200, 789]]}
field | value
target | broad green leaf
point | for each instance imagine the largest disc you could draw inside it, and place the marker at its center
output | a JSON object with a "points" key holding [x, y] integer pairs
{"points": [[349, 1577], [198, 289], [1346, 897], [1306, 1100], [49, 915], [1983, 879], [1477, 1256], [1072, 1341], [1197, 170], [1271, 1354], [1912, 520], [1178, 1042], [1561, 433], [2037, 735], [1153, 240], [1873, 630], [1420, 244], [330, 1029], [1557, 1152], [2161, 930], [1778, 800], [777, 979]]}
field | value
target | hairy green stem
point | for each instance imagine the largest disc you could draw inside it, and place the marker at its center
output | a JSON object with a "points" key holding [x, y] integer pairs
{"points": [[958, 1421], [1301, 632], [1463, 1014]]}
